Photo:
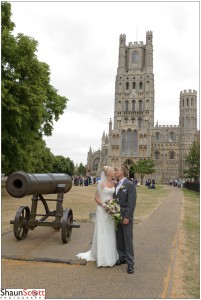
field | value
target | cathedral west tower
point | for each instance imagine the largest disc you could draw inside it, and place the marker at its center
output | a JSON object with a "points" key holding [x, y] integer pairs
{"points": [[132, 135], [134, 103]]}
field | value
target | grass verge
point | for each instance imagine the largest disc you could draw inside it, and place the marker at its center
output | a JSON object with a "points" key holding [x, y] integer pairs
{"points": [[191, 226]]}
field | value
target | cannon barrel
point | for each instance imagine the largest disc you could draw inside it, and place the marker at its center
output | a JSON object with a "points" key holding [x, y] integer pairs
{"points": [[20, 184]]}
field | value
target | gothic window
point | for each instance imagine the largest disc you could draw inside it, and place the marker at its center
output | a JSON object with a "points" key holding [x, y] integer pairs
{"points": [[126, 105], [172, 136], [135, 142], [157, 136], [187, 102], [140, 105], [95, 164], [172, 155], [187, 122], [140, 85], [123, 142], [133, 85], [129, 142], [140, 123], [192, 102], [135, 57], [127, 85], [183, 101], [157, 154], [133, 105]]}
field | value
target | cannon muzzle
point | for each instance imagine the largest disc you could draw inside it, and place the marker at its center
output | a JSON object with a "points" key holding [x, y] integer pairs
{"points": [[20, 184]]}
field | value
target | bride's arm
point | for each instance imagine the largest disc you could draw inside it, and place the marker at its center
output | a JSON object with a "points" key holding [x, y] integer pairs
{"points": [[97, 199]]}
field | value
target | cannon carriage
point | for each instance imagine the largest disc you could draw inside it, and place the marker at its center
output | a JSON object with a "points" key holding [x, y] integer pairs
{"points": [[20, 184]]}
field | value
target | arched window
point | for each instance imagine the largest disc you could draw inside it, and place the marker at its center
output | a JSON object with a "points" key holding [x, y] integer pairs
{"points": [[192, 101], [127, 85], [123, 142], [172, 155], [133, 85], [129, 142], [157, 136], [135, 57], [126, 105], [140, 85], [140, 123], [140, 105], [95, 164], [172, 136], [133, 105], [157, 155], [187, 102], [135, 143]]}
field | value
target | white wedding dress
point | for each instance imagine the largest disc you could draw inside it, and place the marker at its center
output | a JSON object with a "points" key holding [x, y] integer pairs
{"points": [[103, 249]]}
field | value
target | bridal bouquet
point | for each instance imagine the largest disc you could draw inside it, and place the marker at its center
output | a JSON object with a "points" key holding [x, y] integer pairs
{"points": [[113, 208]]}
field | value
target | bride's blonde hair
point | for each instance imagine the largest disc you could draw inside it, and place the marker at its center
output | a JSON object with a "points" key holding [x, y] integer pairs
{"points": [[107, 169]]}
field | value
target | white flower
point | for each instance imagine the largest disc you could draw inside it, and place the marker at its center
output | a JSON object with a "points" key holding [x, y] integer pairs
{"points": [[112, 207]]}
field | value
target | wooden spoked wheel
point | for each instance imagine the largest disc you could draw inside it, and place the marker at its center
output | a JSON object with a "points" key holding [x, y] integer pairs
{"points": [[20, 227], [66, 228]]}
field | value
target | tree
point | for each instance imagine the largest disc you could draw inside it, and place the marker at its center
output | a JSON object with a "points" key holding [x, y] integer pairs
{"points": [[29, 103], [63, 165], [81, 169], [142, 167], [192, 162]]}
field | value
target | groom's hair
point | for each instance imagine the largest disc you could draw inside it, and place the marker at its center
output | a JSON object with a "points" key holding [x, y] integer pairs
{"points": [[124, 170]]}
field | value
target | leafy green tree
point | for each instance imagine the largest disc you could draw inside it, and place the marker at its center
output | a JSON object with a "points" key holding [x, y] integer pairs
{"points": [[192, 162], [63, 165], [81, 169], [30, 104], [143, 167]]}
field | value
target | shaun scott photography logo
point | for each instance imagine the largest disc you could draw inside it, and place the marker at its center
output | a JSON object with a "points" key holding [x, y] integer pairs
{"points": [[22, 294]]}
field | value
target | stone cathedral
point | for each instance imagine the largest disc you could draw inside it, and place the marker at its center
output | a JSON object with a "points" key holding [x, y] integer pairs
{"points": [[133, 135]]}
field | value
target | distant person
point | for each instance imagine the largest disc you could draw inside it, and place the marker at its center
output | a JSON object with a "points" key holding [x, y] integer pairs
{"points": [[153, 183], [81, 181], [86, 181]]}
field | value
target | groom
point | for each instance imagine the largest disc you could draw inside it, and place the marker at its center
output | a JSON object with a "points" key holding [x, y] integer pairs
{"points": [[126, 194]]}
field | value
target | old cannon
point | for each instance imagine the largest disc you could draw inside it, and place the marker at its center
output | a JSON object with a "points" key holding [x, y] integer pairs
{"points": [[20, 184]]}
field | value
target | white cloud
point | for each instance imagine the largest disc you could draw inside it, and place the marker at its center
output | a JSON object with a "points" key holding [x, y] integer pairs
{"points": [[79, 41]]}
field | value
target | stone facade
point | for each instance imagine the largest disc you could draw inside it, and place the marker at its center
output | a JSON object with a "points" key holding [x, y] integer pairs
{"points": [[134, 135]]}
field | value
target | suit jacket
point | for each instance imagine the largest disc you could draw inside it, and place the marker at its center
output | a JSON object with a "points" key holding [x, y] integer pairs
{"points": [[127, 199]]}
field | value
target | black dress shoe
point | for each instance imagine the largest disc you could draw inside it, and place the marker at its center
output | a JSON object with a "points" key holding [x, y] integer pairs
{"points": [[120, 262], [130, 269]]}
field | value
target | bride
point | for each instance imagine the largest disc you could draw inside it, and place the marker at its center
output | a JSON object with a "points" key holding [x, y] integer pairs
{"points": [[103, 249]]}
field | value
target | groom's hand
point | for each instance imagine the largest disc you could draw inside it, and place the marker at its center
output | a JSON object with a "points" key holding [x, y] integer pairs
{"points": [[125, 221]]}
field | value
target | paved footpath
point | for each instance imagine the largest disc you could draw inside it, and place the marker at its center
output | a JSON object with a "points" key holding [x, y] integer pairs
{"points": [[42, 261]]}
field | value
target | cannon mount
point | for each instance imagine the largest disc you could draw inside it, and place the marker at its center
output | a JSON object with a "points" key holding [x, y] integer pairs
{"points": [[26, 219]]}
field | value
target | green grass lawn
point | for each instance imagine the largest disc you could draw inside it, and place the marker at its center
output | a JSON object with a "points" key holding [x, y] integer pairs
{"points": [[191, 226]]}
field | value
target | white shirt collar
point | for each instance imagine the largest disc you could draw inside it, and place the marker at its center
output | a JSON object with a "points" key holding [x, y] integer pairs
{"points": [[121, 181]]}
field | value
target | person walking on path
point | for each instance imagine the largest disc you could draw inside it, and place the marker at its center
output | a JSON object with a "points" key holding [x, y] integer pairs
{"points": [[126, 195]]}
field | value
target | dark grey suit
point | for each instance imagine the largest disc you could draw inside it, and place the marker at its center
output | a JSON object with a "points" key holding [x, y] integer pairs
{"points": [[124, 234]]}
